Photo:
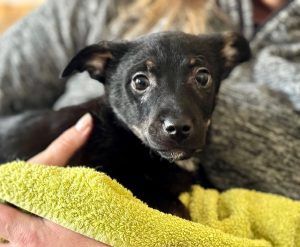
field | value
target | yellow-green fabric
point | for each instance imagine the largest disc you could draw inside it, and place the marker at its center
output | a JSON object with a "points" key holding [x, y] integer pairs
{"points": [[93, 204]]}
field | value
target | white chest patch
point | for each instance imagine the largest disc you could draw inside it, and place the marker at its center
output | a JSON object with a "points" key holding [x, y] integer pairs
{"points": [[189, 165]]}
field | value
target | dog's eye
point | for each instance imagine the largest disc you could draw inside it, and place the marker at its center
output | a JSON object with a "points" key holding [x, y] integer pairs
{"points": [[140, 82], [203, 77]]}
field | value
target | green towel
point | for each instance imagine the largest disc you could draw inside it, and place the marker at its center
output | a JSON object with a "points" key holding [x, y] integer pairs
{"points": [[94, 205]]}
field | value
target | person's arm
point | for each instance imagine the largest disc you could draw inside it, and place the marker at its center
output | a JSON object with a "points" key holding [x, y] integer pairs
{"points": [[36, 49], [22, 229]]}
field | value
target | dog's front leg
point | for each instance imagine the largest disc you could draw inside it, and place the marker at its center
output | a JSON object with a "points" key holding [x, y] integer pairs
{"points": [[24, 135]]}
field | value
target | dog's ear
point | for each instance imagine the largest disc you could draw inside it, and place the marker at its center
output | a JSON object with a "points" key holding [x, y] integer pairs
{"points": [[94, 59], [235, 49]]}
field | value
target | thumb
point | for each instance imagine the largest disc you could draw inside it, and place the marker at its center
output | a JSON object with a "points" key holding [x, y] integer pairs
{"points": [[64, 147]]}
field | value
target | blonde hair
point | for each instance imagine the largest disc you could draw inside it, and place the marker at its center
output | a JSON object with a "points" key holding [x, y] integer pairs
{"points": [[146, 16]]}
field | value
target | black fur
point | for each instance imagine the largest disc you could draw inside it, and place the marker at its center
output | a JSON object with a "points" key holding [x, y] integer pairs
{"points": [[138, 134]]}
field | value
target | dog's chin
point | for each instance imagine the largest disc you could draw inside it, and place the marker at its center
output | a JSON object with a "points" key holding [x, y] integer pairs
{"points": [[174, 155]]}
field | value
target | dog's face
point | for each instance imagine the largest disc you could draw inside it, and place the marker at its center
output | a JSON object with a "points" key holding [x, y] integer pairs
{"points": [[163, 86]]}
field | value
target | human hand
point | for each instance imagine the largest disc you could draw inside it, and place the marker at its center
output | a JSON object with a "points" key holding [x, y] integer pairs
{"points": [[24, 230], [274, 4], [65, 146]]}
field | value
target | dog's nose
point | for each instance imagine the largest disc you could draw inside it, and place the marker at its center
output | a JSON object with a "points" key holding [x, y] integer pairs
{"points": [[178, 129]]}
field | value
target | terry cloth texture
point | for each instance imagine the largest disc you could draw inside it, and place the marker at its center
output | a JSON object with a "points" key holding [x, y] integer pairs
{"points": [[94, 205]]}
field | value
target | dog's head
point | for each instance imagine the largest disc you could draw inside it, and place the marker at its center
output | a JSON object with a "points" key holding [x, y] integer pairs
{"points": [[163, 86]]}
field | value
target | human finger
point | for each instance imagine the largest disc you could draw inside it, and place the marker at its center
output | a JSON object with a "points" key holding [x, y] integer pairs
{"points": [[64, 147]]}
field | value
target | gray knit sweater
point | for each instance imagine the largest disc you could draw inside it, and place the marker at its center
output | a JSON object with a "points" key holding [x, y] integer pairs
{"points": [[256, 130]]}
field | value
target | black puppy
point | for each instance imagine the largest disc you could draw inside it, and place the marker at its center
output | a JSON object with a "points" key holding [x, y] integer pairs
{"points": [[160, 95]]}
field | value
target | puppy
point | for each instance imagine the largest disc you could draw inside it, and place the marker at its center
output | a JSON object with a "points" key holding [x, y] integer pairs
{"points": [[160, 93]]}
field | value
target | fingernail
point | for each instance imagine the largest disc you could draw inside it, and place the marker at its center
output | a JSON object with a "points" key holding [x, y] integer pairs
{"points": [[208, 123], [84, 122]]}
